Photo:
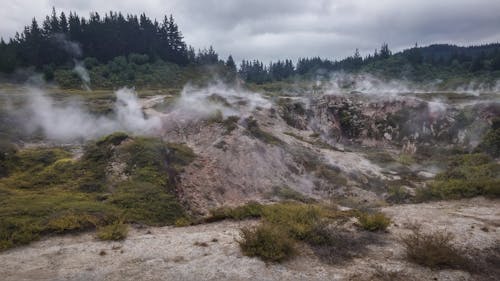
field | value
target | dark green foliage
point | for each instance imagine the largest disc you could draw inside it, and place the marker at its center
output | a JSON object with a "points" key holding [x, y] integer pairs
{"points": [[467, 175], [7, 152], [103, 38], [491, 140]]}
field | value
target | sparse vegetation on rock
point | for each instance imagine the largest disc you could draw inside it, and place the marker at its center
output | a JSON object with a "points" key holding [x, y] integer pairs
{"points": [[467, 175], [47, 191], [434, 250], [115, 231], [374, 222]]}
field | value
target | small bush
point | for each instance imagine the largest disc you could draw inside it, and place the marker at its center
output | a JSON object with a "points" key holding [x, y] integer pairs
{"points": [[297, 219], [268, 242], [374, 222], [116, 231], [491, 140], [247, 211], [434, 250], [183, 221], [397, 194]]}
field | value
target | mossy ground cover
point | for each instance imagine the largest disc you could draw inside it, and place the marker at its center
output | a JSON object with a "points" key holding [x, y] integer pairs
{"points": [[287, 225], [466, 176], [45, 191]]}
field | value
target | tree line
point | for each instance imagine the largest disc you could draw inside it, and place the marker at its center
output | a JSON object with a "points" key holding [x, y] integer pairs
{"points": [[60, 39]]}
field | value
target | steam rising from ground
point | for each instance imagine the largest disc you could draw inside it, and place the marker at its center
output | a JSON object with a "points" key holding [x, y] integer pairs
{"points": [[203, 102], [71, 121], [364, 83], [82, 72]]}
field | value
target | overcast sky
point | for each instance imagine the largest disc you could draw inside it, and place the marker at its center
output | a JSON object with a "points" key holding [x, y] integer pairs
{"points": [[278, 29]]}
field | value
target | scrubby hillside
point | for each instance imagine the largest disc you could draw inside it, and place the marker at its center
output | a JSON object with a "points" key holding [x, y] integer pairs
{"points": [[333, 179]]}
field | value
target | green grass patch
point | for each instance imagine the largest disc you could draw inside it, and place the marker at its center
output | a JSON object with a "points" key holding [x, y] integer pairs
{"points": [[374, 222], [466, 176], [268, 242], [114, 232], [285, 225], [46, 191]]}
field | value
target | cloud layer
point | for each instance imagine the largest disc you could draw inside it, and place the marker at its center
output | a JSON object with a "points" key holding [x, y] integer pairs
{"points": [[270, 30]]}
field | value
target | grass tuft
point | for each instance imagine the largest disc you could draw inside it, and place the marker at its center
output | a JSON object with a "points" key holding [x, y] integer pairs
{"points": [[434, 250], [374, 222], [268, 242], [114, 232]]}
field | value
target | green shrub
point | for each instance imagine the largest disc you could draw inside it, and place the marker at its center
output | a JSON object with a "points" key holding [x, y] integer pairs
{"points": [[397, 194], [183, 221], [466, 176], [297, 219], [116, 231], [268, 242], [491, 140], [247, 211], [434, 250], [374, 222]]}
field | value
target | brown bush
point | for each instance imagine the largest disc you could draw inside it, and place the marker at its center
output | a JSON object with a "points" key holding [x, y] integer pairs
{"points": [[434, 250]]}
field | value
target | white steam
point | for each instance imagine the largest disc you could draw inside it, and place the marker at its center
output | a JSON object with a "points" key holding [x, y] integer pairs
{"points": [[71, 47], [82, 72], [71, 122], [203, 102], [341, 83]]}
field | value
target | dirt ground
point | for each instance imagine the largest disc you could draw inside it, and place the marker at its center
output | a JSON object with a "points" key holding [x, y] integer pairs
{"points": [[211, 251]]}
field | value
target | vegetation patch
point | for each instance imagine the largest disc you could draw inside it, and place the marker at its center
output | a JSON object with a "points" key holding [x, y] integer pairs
{"points": [[254, 130], [230, 124], [288, 224], [268, 242], [467, 175], [434, 250], [374, 222], [247, 211], [115, 232], [286, 193], [491, 140], [46, 191]]}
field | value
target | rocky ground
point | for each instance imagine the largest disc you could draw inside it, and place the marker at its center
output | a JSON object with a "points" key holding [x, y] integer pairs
{"points": [[211, 251], [347, 150]]}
